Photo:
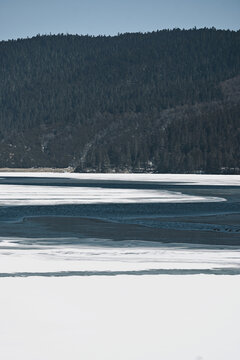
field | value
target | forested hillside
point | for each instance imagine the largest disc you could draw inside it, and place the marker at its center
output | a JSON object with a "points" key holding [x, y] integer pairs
{"points": [[166, 101]]}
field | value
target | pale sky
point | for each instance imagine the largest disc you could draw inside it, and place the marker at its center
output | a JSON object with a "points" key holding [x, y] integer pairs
{"points": [[22, 18]]}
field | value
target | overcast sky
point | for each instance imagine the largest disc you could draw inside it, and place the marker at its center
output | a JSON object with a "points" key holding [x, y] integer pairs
{"points": [[22, 18]]}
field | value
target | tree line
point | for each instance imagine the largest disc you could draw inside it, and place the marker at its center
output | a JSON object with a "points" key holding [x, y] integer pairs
{"points": [[132, 102]]}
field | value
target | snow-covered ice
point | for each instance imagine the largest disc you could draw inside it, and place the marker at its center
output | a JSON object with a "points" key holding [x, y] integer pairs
{"points": [[28, 256], [187, 179], [13, 195], [126, 317]]}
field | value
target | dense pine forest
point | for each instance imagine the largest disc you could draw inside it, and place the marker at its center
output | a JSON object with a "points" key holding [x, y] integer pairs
{"points": [[166, 101]]}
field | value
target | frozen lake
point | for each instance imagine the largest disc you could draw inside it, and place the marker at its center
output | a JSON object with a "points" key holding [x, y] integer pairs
{"points": [[119, 266]]}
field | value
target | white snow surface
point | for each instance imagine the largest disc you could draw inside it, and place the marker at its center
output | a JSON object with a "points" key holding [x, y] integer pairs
{"points": [[124, 317], [25, 255], [56, 195], [187, 179], [13, 195]]}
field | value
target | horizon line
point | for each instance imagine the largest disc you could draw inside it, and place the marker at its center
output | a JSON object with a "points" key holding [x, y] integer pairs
{"points": [[119, 33]]}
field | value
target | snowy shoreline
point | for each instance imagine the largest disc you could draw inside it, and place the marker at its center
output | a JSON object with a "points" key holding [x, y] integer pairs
{"points": [[188, 179]]}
